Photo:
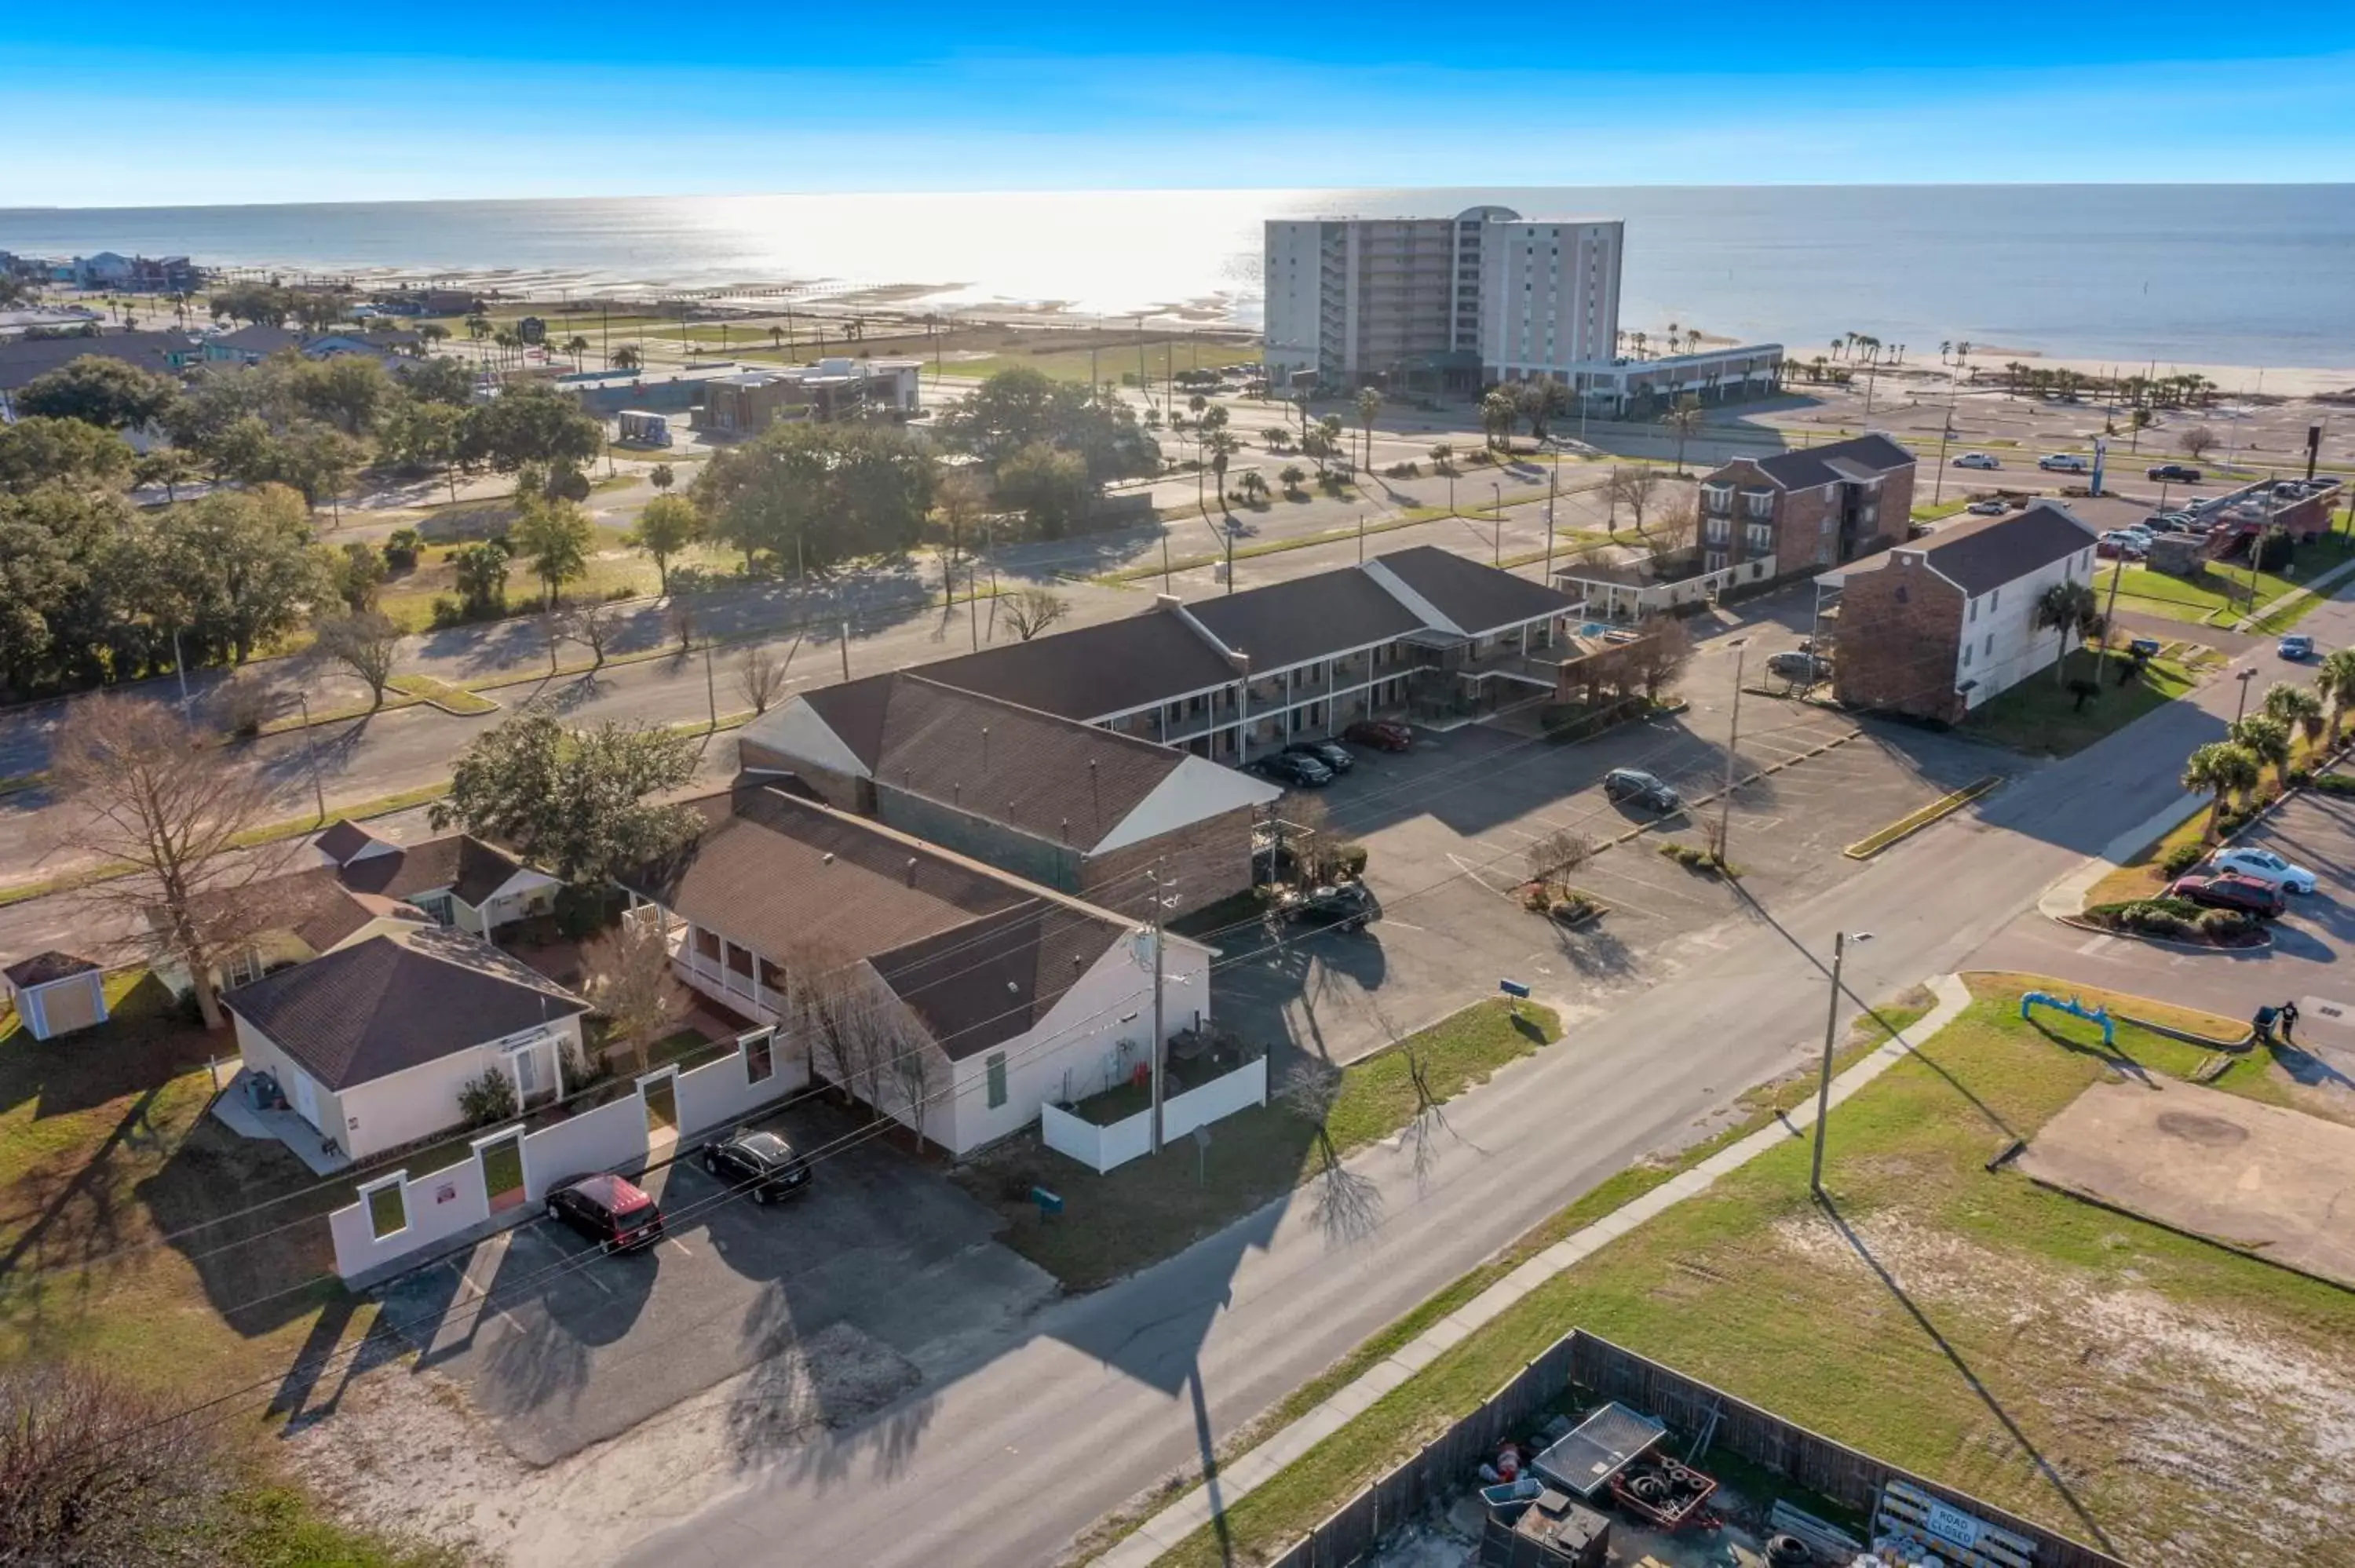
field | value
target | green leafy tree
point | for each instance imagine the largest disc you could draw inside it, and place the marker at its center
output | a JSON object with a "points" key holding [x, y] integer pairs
{"points": [[1049, 485], [1540, 402], [354, 572], [811, 495], [39, 451], [243, 560], [99, 390], [669, 526], [346, 390], [58, 595], [2222, 767], [554, 537], [1016, 410], [578, 802], [481, 573], [440, 379], [167, 466], [414, 432], [532, 422]]}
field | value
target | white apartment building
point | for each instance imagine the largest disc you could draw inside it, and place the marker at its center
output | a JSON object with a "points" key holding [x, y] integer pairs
{"points": [[1439, 301]]}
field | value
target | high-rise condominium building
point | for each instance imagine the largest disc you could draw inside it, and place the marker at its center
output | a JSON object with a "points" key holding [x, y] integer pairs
{"points": [[1487, 295]]}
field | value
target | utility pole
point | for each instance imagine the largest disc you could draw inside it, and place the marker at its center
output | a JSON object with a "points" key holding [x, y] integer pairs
{"points": [[311, 755], [710, 686], [1823, 1083], [1160, 1045], [1938, 486], [973, 600], [1732, 745], [846, 651], [1361, 535], [1553, 491]]}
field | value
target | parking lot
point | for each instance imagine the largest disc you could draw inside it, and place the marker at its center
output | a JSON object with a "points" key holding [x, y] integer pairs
{"points": [[569, 1348], [1447, 829]]}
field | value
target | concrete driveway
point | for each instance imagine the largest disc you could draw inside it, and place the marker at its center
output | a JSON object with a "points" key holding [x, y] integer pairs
{"points": [[557, 1357]]}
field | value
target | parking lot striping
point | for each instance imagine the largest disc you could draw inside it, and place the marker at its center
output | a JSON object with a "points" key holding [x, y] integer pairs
{"points": [[2093, 944]]}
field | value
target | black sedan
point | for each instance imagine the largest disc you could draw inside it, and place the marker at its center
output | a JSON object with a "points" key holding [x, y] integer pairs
{"points": [[1331, 753], [760, 1162], [1348, 904], [1292, 768]]}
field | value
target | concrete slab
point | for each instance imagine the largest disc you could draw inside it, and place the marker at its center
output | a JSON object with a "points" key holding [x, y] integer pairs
{"points": [[2275, 1182]]}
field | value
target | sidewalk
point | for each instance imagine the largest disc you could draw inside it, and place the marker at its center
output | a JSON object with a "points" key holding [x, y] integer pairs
{"points": [[2318, 589], [1197, 1507]]}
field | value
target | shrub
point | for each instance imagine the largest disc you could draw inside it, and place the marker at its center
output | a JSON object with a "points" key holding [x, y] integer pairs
{"points": [[2300, 777], [1353, 860], [584, 911], [2224, 925], [401, 548], [2182, 858], [487, 1099], [1536, 900], [2336, 783]]}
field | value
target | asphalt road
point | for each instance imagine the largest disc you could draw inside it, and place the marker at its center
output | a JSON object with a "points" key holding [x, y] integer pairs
{"points": [[1006, 1462]]}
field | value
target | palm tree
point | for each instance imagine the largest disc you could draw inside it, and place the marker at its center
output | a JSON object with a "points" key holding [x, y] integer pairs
{"points": [[432, 333], [2296, 707], [1222, 445], [628, 357], [1638, 340], [2335, 684], [577, 346], [2268, 737], [2066, 607], [1369, 403], [777, 338], [510, 344], [2224, 768], [1498, 412], [1685, 420]]}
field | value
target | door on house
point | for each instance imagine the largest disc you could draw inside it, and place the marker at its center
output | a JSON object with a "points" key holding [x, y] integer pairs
{"points": [[307, 1098], [529, 1080], [502, 1158]]}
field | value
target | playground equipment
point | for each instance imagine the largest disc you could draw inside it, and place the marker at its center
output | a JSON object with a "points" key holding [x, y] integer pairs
{"points": [[2074, 1009]]}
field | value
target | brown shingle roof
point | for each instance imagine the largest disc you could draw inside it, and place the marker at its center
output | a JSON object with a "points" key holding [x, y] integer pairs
{"points": [[1092, 671], [461, 863], [42, 969], [1054, 778], [344, 838], [792, 879], [1989, 552], [1811, 466], [1476, 598], [397, 1000]]}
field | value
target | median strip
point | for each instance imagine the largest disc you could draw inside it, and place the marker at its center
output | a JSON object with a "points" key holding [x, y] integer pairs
{"points": [[1906, 827]]}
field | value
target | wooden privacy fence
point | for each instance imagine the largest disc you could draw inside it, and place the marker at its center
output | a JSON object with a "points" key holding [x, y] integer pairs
{"points": [[1602, 1371]]}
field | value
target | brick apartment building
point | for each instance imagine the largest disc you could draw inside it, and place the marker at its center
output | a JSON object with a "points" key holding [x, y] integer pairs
{"points": [[1818, 506], [1936, 627]]}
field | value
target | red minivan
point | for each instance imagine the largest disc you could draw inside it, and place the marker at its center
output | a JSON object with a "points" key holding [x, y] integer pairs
{"points": [[609, 1211]]}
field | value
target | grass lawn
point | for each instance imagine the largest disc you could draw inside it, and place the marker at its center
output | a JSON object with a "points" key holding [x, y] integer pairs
{"points": [[1115, 1224], [116, 1198], [2041, 715], [2220, 592], [1971, 1326]]}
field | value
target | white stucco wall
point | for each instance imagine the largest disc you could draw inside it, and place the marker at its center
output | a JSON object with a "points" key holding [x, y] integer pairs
{"points": [[2001, 643]]}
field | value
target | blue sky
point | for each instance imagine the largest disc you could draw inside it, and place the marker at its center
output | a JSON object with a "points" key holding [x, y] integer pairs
{"points": [[260, 103]]}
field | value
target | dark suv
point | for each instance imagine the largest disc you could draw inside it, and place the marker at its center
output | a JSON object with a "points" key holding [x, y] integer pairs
{"points": [[1348, 904], [758, 1162], [2226, 891], [1331, 753], [2174, 473], [1292, 768], [614, 1214], [1644, 789], [1797, 667]]}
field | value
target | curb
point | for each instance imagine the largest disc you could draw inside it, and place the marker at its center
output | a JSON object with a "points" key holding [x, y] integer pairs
{"points": [[1936, 812]]}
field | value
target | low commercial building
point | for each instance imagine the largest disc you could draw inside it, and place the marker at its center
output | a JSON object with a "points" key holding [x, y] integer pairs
{"points": [[23, 359], [748, 402], [943, 992], [371, 1044], [1076, 808], [1936, 627], [1814, 506]]}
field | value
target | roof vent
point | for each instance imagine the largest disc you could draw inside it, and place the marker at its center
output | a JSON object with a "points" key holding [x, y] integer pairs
{"points": [[912, 871], [828, 857], [1013, 988]]}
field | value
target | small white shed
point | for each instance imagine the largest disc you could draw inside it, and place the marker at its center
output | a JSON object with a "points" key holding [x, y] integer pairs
{"points": [[57, 993]]}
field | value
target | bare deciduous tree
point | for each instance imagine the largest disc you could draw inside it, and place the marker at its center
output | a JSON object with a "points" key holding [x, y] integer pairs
{"points": [[593, 625], [1631, 485], [761, 675], [1677, 529], [1347, 1204], [1659, 654], [629, 981], [830, 1002], [366, 642], [1033, 611], [919, 1078], [2198, 442], [93, 1471], [1559, 853], [146, 790]]}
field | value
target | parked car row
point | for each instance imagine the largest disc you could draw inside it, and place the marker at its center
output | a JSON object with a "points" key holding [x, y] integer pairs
{"points": [[2247, 878], [619, 1215], [1312, 764]]}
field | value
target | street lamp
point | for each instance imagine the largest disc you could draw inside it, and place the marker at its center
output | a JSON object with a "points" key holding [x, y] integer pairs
{"points": [[1824, 1085], [2244, 677]]}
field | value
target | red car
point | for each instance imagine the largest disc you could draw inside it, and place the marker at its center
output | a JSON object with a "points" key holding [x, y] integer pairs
{"points": [[1382, 735], [618, 1215], [2230, 892]]}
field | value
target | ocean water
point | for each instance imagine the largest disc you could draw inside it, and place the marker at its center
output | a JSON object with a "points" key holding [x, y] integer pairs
{"points": [[2245, 275]]}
